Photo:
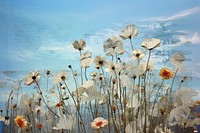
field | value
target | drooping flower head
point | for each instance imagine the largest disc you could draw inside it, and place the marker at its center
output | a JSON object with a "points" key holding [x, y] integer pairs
{"points": [[150, 43], [137, 55], [166, 73], [31, 78], [20, 121], [100, 61], [113, 45], [129, 32], [79, 45], [99, 122]]}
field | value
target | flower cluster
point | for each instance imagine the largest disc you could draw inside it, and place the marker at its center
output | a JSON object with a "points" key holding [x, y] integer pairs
{"points": [[114, 92]]}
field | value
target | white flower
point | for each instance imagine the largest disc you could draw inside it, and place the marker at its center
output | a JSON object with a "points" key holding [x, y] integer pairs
{"points": [[25, 103], [150, 43], [85, 59], [79, 45], [113, 45], [113, 68], [60, 76], [99, 122], [179, 114], [185, 95], [129, 32], [100, 61], [31, 78], [177, 58], [66, 122], [137, 55], [90, 90], [79, 92]]}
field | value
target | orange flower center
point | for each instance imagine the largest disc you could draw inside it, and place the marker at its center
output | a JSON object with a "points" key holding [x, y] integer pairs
{"points": [[98, 124], [166, 73], [39, 126], [20, 123]]}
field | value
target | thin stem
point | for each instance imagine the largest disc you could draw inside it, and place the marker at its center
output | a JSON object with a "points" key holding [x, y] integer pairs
{"points": [[156, 96], [40, 91], [81, 70], [75, 104], [86, 74], [7, 108], [170, 94], [131, 44]]}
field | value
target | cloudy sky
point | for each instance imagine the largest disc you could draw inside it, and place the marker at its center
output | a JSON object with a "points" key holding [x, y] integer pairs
{"points": [[38, 34]]}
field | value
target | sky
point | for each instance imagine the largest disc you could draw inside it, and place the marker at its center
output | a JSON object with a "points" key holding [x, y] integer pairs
{"points": [[38, 34]]}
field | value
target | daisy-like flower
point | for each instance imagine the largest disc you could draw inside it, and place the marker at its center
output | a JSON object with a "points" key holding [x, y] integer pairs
{"points": [[112, 67], [100, 61], [137, 55], [31, 77], [79, 45], [113, 45], [150, 43], [60, 76], [177, 58], [99, 122], [85, 59], [21, 122], [166, 73], [129, 32]]}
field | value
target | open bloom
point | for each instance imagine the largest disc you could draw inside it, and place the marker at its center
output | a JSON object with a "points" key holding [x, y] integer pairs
{"points": [[166, 73], [113, 45], [85, 59], [129, 32], [60, 76], [100, 61], [178, 58], [99, 122], [31, 77], [21, 122], [79, 45], [112, 67], [137, 54], [150, 43]]}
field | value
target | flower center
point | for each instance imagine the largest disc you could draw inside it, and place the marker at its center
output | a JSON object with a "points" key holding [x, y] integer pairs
{"points": [[20, 122], [100, 123], [101, 62], [137, 55], [113, 68], [63, 77]]}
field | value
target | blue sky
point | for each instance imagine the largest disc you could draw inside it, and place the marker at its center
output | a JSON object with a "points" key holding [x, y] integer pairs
{"points": [[37, 34]]}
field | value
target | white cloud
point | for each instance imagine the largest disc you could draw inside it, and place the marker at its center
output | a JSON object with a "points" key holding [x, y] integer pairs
{"points": [[24, 55], [175, 16], [194, 39]]}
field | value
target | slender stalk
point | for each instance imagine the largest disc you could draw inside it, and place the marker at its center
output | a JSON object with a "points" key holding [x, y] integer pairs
{"points": [[156, 96], [44, 99], [131, 44], [75, 104], [86, 74], [81, 70], [170, 94]]}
